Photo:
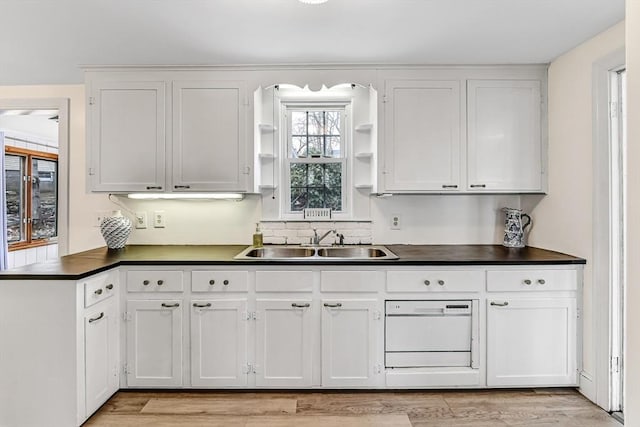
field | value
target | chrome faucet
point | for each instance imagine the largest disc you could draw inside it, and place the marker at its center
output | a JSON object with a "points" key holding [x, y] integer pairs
{"points": [[317, 239]]}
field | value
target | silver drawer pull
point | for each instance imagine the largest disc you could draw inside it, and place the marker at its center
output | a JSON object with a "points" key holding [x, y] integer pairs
{"points": [[499, 304], [160, 282], [170, 305], [427, 283], [296, 305], [226, 282], [95, 319], [98, 292], [336, 305], [527, 282], [541, 281], [441, 282], [109, 286], [212, 282], [146, 282], [195, 304]]}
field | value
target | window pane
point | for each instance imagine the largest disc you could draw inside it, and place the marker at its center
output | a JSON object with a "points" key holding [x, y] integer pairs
{"points": [[298, 147], [316, 174], [14, 171], [333, 122], [298, 174], [298, 122], [316, 185], [333, 184], [315, 146], [298, 198], [44, 199], [332, 147], [316, 122]]}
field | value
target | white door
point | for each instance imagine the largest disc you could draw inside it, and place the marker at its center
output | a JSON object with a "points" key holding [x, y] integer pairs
{"points": [[154, 343], [101, 351], [209, 136], [350, 343], [284, 343], [422, 135], [504, 135], [219, 343], [531, 342], [127, 136]]}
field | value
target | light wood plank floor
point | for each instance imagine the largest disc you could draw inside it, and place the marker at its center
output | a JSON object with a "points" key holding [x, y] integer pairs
{"points": [[477, 408]]}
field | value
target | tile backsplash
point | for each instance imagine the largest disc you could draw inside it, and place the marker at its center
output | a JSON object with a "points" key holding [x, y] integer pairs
{"points": [[300, 232]]}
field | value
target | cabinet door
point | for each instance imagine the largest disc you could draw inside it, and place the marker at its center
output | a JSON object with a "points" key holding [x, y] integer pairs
{"points": [[350, 335], [101, 337], [127, 132], [504, 139], [219, 343], [209, 141], [531, 342], [422, 135], [154, 343], [283, 343]]}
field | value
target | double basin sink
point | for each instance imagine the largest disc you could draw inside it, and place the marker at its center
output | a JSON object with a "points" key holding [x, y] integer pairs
{"points": [[302, 253]]}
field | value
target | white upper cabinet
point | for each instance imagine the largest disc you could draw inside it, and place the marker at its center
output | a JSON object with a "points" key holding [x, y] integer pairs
{"points": [[209, 123], [167, 131], [127, 136], [504, 136], [422, 135]]}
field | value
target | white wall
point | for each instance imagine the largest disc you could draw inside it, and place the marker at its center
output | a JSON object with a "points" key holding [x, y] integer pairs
{"points": [[632, 367], [564, 218]]}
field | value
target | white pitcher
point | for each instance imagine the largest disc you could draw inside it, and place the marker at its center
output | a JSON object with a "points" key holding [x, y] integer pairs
{"points": [[514, 227]]}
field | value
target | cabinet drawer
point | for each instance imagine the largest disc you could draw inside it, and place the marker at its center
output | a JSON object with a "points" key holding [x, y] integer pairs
{"points": [[435, 281], [219, 281], [532, 280], [284, 281], [351, 281], [99, 288], [154, 281]]}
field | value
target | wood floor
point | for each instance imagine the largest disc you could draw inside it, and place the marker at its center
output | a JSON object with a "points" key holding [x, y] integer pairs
{"points": [[481, 408]]}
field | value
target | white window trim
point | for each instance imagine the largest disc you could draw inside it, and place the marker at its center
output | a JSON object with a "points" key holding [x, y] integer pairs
{"points": [[346, 160]]}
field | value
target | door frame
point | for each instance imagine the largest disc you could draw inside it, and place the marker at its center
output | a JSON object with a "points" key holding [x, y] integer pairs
{"points": [[62, 105], [598, 388]]}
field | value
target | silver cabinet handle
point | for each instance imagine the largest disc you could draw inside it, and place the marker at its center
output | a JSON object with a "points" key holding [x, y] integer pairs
{"points": [[95, 319], [146, 282], [336, 305], [160, 282], [170, 305], [296, 305], [527, 282], [98, 292], [212, 282], [499, 304], [181, 186], [109, 286], [478, 186], [449, 186], [441, 282], [226, 282], [427, 283], [153, 187], [541, 281], [195, 304]]}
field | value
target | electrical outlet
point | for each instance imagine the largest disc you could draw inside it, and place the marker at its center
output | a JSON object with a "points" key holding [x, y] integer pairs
{"points": [[141, 220], [158, 219], [395, 221]]}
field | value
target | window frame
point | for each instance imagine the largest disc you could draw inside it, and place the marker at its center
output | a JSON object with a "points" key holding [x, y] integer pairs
{"points": [[29, 156], [286, 143]]}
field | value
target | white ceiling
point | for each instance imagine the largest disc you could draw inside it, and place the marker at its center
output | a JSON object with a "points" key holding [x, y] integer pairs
{"points": [[45, 41]]}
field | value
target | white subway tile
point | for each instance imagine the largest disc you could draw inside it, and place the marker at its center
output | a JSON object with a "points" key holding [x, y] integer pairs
{"points": [[272, 225], [274, 240], [297, 225]]}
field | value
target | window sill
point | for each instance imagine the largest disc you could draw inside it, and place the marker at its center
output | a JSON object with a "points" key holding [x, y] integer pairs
{"points": [[23, 245]]}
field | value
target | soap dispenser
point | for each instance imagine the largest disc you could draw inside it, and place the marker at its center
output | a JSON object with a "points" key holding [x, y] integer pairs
{"points": [[257, 236]]}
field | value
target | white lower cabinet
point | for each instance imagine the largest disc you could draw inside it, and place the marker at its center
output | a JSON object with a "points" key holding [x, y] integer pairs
{"points": [[219, 343], [284, 337], [101, 337], [531, 341], [154, 343], [351, 331]]}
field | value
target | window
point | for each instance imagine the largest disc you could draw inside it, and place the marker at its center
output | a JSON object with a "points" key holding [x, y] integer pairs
{"points": [[315, 163], [32, 197]]}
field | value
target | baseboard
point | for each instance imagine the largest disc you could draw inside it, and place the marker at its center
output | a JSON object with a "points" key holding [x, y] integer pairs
{"points": [[588, 386]]}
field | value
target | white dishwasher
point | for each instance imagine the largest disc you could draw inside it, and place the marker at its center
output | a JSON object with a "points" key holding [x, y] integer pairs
{"points": [[428, 333]]}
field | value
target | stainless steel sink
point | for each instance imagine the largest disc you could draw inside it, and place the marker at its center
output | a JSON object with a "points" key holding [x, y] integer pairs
{"points": [[300, 253]]}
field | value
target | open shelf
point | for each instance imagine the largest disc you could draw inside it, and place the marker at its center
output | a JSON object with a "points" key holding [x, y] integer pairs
{"points": [[363, 186], [365, 127], [267, 187], [265, 128], [266, 156], [364, 155]]}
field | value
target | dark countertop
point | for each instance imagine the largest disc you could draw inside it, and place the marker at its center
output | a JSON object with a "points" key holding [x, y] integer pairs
{"points": [[83, 264]]}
